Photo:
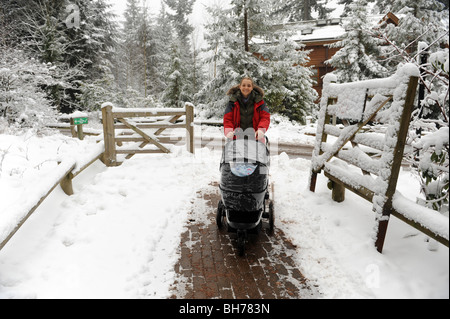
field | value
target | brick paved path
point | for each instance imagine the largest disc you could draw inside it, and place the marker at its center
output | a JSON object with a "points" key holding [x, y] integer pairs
{"points": [[210, 267]]}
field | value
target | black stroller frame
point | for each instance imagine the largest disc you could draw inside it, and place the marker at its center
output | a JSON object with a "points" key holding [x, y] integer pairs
{"points": [[245, 198]]}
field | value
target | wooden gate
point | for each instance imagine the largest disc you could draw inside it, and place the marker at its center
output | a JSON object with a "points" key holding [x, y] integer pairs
{"points": [[364, 161], [143, 128]]}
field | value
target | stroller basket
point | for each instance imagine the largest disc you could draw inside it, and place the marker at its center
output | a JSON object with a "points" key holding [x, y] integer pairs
{"points": [[244, 217], [239, 201]]}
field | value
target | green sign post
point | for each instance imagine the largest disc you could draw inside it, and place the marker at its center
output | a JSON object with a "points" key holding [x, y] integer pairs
{"points": [[78, 121]]}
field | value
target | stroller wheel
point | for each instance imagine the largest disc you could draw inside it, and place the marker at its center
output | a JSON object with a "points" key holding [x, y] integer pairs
{"points": [[271, 218], [241, 242], [220, 214]]}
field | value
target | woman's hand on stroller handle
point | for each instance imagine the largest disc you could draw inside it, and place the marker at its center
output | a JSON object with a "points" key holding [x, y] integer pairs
{"points": [[238, 133], [259, 134], [230, 135]]}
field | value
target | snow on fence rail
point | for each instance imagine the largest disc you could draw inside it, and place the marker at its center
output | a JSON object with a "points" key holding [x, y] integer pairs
{"points": [[118, 120], [387, 101], [14, 216]]}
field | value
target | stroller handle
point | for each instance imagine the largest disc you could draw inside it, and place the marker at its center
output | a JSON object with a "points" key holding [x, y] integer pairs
{"points": [[240, 134]]}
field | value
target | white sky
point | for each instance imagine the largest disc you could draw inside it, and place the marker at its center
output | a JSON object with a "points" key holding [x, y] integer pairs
{"points": [[154, 6]]}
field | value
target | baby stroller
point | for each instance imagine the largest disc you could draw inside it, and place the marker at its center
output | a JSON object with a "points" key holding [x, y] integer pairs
{"points": [[244, 188]]}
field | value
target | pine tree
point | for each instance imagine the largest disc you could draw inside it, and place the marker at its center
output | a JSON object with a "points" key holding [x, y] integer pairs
{"points": [[196, 73], [422, 32], [43, 22], [163, 37], [288, 83], [180, 83], [270, 58], [347, 10], [11, 17], [130, 46], [356, 60], [145, 45], [182, 9], [420, 20], [175, 93], [294, 10], [95, 41], [75, 37]]}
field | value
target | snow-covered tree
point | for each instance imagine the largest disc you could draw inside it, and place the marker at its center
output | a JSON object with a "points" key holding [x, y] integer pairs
{"points": [[421, 37], [346, 4], [175, 93], [128, 51], [288, 83], [181, 10], [75, 36], [93, 53], [357, 58], [9, 22], [420, 20], [163, 37], [45, 29], [303, 10], [139, 71], [23, 101], [196, 76], [183, 72], [431, 155], [92, 43]]}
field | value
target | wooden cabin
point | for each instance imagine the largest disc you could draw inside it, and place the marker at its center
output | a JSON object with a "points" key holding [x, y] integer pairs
{"points": [[319, 54], [317, 34]]}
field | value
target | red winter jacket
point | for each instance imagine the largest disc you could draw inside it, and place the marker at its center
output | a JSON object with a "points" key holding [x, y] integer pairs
{"points": [[232, 117]]}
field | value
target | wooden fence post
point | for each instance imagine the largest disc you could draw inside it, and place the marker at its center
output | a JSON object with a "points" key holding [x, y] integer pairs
{"points": [[189, 127], [79, 131], [337, 192], [313, 176], [66, 184], [397, 161], [110, 155]]}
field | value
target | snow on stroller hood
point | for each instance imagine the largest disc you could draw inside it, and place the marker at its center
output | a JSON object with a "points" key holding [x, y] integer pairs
{"points": [[243, 155], [245, 151]]}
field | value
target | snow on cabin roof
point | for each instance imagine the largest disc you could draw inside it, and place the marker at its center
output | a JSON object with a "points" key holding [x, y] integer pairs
{"points": [[322, 30], [314, 31]]}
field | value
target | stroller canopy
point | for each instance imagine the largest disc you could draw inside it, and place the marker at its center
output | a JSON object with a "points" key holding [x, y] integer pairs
{"points": [[245, 151]]}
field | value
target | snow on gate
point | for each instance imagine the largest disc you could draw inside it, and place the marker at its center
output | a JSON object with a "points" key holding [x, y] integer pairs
{"points": [[387, 101], [118, 120]]}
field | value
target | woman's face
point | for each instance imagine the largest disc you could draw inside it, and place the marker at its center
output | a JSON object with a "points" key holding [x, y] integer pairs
{"points": [[246, 87]]}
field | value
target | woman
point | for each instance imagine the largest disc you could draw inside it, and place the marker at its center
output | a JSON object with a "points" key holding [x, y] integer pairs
{"points": [[246, 110]]}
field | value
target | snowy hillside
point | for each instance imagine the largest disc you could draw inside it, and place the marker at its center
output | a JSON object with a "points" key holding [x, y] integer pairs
{"points": [[118, 235]]}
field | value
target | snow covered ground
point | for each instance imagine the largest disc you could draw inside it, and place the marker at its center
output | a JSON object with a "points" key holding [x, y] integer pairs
{"points": [[117, 236]]}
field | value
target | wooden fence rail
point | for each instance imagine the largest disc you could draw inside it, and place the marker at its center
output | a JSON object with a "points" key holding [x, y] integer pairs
{"points": [[63, 176], [118, 127], [57, 176]]}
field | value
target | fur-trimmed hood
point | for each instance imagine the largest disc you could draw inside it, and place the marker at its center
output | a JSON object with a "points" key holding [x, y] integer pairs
{"points": [[234, 91]]}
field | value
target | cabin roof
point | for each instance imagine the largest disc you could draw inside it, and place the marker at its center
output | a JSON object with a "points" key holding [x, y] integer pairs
{"points": [[328, 29]]}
